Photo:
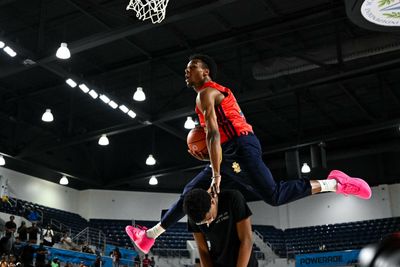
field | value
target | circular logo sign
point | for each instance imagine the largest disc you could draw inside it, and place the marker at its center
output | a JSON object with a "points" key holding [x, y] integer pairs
{"points": [[382, 12]]}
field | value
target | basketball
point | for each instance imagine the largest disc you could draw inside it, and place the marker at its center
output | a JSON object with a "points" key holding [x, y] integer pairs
{"points": [[196, 140]]}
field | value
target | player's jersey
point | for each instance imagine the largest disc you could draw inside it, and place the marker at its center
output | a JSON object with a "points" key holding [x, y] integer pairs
{"points": [[231, 121]]}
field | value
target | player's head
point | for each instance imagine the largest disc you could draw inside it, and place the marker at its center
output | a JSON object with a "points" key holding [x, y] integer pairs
{"points": [[207, 64], [199, 206]]}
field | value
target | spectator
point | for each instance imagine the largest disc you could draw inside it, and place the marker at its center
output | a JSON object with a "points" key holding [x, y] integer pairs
{"points": [[152, 262], [116, 257], [22, 232], [33, 232], [3, 262], [10, 227], [48, 235], [55, 262], [27, 255], [137, 261], [146, 261], [40, 256]]}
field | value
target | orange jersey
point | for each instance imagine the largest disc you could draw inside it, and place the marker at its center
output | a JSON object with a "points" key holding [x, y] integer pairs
{"points": [[231, 121]]}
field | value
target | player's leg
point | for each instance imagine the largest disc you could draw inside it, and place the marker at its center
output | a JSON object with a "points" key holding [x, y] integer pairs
{"points": [[258, 178], [144, 238]]}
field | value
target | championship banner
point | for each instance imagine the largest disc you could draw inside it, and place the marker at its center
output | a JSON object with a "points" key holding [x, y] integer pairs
{"points": [[339, 258]]}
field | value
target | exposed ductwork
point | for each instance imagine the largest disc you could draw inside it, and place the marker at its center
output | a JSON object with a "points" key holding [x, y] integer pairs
{"points": [[351, 50]]}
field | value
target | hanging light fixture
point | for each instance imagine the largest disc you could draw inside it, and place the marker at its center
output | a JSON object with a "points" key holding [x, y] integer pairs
{"points": [[84, 88], [131, 114], [63, 51], [2, 44], [71, 82], [64, 180], [47, 116], [10, 51], [2, 161], [153, 180], [103, 141], [189, 123], [150, 160], [305, 168], [139, 94]]}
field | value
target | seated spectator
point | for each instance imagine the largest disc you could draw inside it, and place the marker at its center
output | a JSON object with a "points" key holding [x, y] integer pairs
{"points": [[66, 243], [48, 235], [3, 261], [22, 232], [27, 255]]}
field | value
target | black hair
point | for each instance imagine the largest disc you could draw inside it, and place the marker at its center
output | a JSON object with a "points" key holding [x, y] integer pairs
{"points": [[196, 204], [208, 63]]}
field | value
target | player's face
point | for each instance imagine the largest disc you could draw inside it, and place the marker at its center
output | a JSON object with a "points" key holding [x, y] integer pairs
{"points": [[210, 215], [195, 73]]}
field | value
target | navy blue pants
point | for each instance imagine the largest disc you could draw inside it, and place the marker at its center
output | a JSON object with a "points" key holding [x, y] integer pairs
{"points": [[242, 168]]}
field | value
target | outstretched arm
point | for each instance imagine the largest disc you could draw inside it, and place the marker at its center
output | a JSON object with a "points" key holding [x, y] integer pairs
{"points": [[245, 234], [205, 258], [206, 102]]}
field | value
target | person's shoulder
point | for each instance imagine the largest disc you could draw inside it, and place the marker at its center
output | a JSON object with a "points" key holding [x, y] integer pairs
{"points": [[230, 193]]}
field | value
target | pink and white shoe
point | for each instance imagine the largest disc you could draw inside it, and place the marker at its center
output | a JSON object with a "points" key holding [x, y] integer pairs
{"points": [[347, 185], [139, 237]]}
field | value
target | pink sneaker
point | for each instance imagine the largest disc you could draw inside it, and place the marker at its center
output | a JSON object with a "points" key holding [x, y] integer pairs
{"points": [[347, 185], [139, 237]]}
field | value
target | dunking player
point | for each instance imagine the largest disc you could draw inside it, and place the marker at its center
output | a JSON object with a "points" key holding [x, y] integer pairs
{"points": [[235, 156]]}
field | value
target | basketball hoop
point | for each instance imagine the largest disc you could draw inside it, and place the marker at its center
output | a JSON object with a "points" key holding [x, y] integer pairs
{"points": [[149, 9]]}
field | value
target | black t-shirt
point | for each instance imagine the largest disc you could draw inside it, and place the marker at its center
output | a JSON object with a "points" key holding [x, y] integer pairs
{"points": [[222, 232]]}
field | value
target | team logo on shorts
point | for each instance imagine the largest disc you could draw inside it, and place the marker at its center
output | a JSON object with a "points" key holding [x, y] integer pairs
{"points": [[236, 167]]}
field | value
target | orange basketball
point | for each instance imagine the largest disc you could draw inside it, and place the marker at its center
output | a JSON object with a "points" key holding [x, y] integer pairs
{"points": [[196, 140]]}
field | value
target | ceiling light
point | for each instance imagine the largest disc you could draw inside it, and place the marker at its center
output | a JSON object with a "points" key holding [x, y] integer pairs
{"points": [[71, 82], [150, 160], [63, 51], [47, 116], [103, 141], [64, 180], [84, 88], [131, 114], [153, 180], [9, 51], [2, 44], [305, 168], [189, 123], [139, 94], [124, 109], [93, 94], [2, 161], [104, 98], [113, 104]]}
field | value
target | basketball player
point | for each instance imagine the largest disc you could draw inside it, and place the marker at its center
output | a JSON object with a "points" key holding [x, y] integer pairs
{"points": [[236, 157], [224, 220]]}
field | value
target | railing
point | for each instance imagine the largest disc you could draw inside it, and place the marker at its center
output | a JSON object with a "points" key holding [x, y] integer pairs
{"points": [[91, 236], [59, 226]]}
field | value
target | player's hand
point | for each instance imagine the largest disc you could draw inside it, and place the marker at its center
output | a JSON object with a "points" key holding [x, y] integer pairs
{"points": [[214, 187], [198, 155]]}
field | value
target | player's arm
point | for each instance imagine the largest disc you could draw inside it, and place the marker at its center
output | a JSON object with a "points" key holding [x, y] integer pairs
{"points": [[205, 258], [245, 235], [207, 101]]}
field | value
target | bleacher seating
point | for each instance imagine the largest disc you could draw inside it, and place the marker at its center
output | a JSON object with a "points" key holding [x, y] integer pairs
{"points": [[331, 237], [285, 243]]}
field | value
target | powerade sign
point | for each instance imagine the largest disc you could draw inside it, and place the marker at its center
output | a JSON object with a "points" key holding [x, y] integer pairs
{"points": [[341, 258]]}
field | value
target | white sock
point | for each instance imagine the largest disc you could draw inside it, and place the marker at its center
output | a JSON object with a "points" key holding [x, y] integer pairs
{"points": [[328, 185], [155, 231]]}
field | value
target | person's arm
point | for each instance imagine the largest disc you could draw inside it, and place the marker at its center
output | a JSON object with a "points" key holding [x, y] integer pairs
{"points": [[245, 234], [207, 100], [201, 242]]}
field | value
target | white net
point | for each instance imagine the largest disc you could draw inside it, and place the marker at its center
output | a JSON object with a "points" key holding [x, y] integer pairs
{"points": [[149, 9]]}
